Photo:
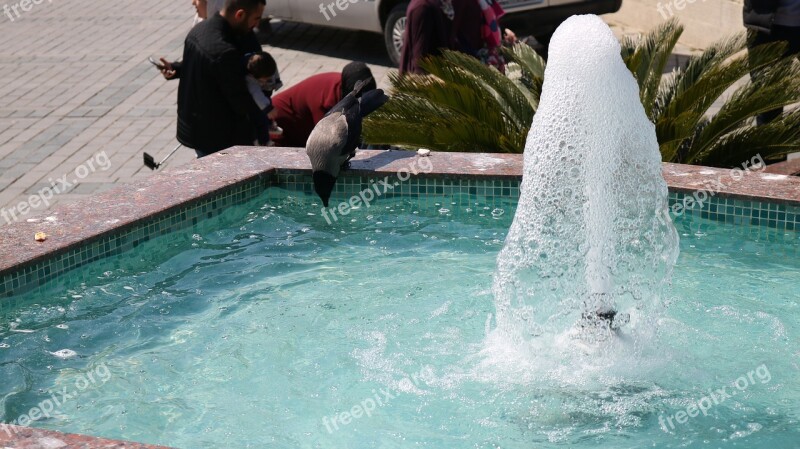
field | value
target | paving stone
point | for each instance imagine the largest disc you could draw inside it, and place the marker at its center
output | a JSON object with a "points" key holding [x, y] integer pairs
{"points": [[84, 86]]}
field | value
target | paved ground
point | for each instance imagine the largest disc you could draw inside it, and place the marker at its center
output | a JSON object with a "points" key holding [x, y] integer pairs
{"points": [[75, 84]]}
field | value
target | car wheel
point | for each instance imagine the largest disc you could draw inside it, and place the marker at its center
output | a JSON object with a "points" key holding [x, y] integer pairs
{"points": [[394, 32]]}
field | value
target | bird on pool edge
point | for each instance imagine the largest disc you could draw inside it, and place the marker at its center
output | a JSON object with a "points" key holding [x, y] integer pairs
{"points": [[334, 140]]}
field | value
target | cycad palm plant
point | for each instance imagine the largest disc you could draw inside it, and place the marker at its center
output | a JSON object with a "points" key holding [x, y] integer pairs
{"points": [[464, 106], [679, 102]]}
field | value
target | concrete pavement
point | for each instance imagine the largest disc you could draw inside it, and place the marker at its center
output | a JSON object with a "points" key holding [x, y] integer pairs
{"points": [[75, 83], [76, 87]]}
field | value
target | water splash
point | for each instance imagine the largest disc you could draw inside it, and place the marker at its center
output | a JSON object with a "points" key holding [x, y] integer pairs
{"points": [[591, 235]]}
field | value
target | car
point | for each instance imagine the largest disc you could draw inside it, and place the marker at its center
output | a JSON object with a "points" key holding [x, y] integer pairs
{"points": [[539, 18]]}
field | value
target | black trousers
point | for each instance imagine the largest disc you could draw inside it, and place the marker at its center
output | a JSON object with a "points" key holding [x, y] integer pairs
{"points": [[791, 35]]}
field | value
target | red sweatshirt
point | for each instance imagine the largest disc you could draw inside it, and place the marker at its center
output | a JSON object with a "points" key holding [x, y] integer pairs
{"points": [[300, 107]]}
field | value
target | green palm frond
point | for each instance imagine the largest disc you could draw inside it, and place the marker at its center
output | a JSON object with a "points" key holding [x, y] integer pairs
{"points": [[458, 97], [462, 106], [408, 131], [688, 107], [530, 88], [531, 67], [461, 69], [647, 57], [466, 106], [776, 138], [778, 87], [719, 77], [687, 76], [527, 58]]}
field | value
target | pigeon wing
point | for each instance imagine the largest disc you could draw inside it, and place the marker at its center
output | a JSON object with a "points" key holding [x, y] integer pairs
{"points": [[327, 142]]}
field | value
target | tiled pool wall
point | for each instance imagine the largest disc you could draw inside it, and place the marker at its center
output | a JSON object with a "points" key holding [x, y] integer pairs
{"points": [[782, 217], [428, 194], [498, 192], [57, 267]]}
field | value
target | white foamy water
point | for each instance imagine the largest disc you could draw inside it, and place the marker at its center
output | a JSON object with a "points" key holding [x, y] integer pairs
{"points": [[64, 353], [591, 232]]}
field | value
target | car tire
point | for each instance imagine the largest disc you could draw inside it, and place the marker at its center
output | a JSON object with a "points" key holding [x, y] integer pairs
{"points": [[394, 32]]}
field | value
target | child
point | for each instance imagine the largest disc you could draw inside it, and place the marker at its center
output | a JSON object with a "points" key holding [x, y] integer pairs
{"points": [[262, 79]]}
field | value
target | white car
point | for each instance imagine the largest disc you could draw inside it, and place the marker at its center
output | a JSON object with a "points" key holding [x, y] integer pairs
{"points": [[535, 17]]}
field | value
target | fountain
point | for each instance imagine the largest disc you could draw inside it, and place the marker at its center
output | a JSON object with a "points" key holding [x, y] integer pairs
{"points": [[591, 246]]}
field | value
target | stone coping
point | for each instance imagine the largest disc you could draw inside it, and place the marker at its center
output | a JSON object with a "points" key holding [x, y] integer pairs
{"points": [[790, 167], [70, 225], [15, 437]]}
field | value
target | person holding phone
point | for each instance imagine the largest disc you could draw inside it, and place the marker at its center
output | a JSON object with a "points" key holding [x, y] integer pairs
{"points": [[172, 70], [214, 104]]}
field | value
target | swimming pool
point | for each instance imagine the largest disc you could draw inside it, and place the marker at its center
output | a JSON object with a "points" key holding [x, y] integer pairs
{"points": [[274, 328]]}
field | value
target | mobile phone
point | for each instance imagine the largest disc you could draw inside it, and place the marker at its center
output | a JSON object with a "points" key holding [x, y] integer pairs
{"points": [[153, 61]]}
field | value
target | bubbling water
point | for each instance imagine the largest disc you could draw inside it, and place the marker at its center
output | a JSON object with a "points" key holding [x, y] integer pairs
{"points": [[591, 236]]}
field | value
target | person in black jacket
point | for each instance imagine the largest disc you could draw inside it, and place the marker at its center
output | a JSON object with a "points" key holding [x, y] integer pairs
{"points": [[772, 21], [172, 70], [213, 100]]}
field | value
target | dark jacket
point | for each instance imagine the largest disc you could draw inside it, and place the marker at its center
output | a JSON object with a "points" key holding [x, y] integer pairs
{"points": [[249, 43], [213, 101], [176, 66], [428, 30], [759, 14]]}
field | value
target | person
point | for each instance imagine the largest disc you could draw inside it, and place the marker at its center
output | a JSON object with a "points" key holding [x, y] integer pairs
{"points": [[429, 28], [172, 70], [215, 6], [491, 35], [299, 108], [772, 21], [262, 79], [204, 9], [214, 104], [469, 26], [477, 32]]}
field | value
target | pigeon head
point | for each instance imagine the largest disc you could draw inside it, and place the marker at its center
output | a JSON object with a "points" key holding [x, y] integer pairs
{"points": [[323, 185]]}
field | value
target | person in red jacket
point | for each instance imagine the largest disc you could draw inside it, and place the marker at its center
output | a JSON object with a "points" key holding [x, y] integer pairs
{"points": [[299, 108]]}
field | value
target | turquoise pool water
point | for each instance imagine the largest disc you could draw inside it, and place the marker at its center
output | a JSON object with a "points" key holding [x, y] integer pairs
{"points": [[264, 332]]}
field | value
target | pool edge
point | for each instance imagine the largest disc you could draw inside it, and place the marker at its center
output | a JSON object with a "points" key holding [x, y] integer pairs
{"points": [[32, 438], [103, 215], [71, 225]]}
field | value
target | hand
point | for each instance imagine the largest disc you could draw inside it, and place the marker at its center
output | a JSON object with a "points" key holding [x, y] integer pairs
{"points": [[166, 69], [510, 37]]}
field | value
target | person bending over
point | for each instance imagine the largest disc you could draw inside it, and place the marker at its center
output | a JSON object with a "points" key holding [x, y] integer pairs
{"points": [[299, 108]]}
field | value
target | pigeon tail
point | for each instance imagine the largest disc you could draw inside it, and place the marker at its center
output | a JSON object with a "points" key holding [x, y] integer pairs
{"points": [[372, 100], [360, 85]]}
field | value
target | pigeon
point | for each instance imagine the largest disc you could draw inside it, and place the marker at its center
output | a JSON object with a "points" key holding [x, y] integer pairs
{"points": [[334, 140]]}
